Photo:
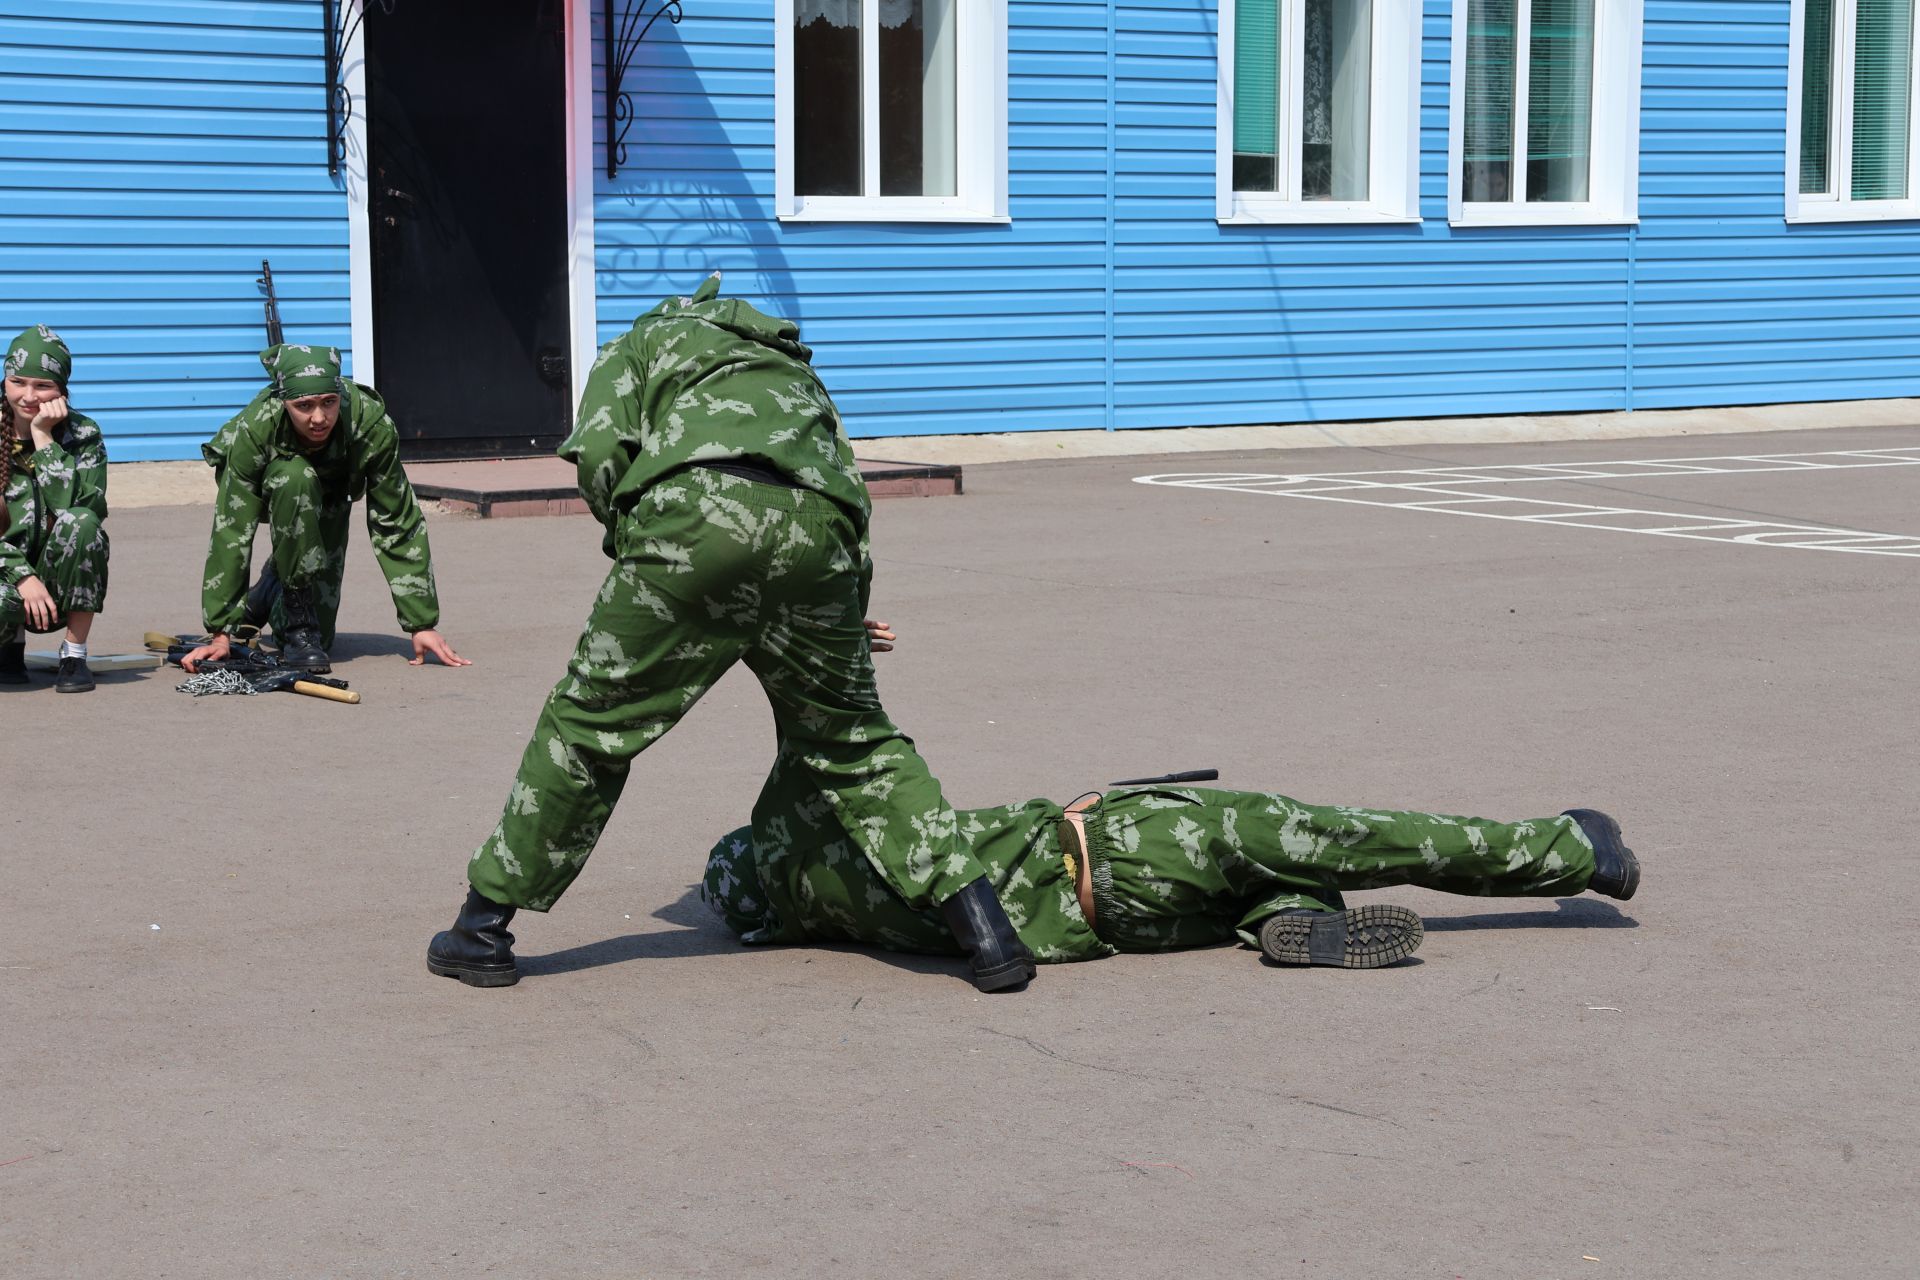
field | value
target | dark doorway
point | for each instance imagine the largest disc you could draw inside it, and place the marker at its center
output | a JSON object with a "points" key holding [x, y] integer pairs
{"points": [[467, 195]]}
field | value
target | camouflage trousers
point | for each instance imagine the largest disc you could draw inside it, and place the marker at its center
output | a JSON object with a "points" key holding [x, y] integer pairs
{"points": [[712, 570], [1183, 866], [1170, 868], [71, 563], [307, 520]]}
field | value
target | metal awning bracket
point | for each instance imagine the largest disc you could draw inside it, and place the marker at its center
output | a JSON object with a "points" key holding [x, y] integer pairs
{"points": [[621, 43]]}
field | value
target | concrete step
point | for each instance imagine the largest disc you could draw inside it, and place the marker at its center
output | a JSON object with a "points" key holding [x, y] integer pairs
{"points": [[546, 487]]}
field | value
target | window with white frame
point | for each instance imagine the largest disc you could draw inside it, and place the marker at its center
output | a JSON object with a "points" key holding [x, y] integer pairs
{"points": [[1318, 118], [1545, 111], [891, 109], [1851, 87]]}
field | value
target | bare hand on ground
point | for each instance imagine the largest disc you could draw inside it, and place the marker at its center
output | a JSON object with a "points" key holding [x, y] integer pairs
{"points": [[880, 636], [217, 649], [431, 642]]}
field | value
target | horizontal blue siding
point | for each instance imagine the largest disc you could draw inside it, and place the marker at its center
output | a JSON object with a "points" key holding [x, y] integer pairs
{"points": [[916, 328], [1713, 299], [153, 154]]}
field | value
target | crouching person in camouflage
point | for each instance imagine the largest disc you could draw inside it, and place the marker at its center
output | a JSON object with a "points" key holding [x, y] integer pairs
{"points": [[1155, 868], [736, 519], [53, 503], [308, 447]]}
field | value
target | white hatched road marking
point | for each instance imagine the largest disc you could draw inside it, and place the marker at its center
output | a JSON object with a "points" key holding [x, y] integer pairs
{"points": [[1441, 489]]}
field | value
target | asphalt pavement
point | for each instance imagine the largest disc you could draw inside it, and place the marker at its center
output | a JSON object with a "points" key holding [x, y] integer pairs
{"points": [[223, 1056]]}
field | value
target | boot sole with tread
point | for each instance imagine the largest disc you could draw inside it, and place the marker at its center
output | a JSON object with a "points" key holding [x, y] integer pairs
{"points": [[1002, 977], [475, 975], [1368, 937]]}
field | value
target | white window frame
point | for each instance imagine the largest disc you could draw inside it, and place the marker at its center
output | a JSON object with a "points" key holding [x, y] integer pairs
{"points": [[980, 76], [1393, 124], [1614, 181], [1840, 206]]}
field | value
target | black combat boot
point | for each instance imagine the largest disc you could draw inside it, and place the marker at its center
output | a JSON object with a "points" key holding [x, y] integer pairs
{"points": [[300, 647], [980, 925], [74, 676], [478, 950], [261, 597], [13, 660], [1616, 872], [1367, 937]]}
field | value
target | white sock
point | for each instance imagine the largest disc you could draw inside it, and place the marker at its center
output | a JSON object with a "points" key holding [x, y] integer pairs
{"points": [[68, 649]]}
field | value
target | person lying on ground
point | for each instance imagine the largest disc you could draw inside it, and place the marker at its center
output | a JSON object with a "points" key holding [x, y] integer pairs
{"points": [[308, 447], [1159, 867], [53, 509]]}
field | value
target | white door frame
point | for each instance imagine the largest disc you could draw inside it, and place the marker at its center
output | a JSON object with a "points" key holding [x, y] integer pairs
{"points": [[580, 191]]}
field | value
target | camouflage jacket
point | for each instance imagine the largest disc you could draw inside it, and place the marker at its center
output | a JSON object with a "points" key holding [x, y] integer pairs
{"points": [[360, 459], [69, 474], [707, 379]]}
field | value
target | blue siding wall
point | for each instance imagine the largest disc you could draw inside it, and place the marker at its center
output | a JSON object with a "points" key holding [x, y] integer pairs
{"points": [[150, 156], [918, 328], [1732, 305], [1246, 324], [1114, 261]]}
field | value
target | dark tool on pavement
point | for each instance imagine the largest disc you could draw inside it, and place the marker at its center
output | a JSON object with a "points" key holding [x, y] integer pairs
{"points": [[264, 673], [1191, 775]]}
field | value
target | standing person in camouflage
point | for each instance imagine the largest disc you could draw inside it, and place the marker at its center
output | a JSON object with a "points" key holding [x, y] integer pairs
{"points": [[1159, 867], [300, 455], [737, 522], [53, 505]]}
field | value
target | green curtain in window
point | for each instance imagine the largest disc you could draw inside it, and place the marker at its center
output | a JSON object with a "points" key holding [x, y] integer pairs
{"points": [[1816, 97], [1882, 98], [1256, 81], [1559, 100]]}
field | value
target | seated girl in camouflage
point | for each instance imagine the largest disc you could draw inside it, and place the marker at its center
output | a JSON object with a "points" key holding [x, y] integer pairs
{"points": [[1159, 867], [53, 500], [737, 522], [300, 455]]}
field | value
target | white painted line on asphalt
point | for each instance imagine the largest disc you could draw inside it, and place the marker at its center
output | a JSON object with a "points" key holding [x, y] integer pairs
{"points": [[1439, 489]]}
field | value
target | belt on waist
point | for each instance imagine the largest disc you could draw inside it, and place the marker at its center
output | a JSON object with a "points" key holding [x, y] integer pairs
{"points": [[1072, 833], [747, 469]]}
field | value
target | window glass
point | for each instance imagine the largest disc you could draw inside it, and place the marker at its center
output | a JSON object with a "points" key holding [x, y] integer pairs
{"points": [[1816, 100], [1487, 151], [826, 85], [1882, 99], [918, 129], [1338, 88], [1256, 96], [1559, 100]]}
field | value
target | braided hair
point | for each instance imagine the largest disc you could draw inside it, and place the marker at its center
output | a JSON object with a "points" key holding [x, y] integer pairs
{"points": [[6, 460]]}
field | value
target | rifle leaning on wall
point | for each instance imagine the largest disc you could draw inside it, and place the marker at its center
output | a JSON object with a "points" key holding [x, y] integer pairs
{"points": [[275, 334]]}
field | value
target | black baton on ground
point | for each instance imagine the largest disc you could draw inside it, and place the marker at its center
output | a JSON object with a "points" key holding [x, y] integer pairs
{"points": [[1191, 775]]}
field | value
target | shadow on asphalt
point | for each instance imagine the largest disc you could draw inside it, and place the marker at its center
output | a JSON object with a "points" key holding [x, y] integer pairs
{"points": [[1568, 913], [702, 936], [369, 644]]}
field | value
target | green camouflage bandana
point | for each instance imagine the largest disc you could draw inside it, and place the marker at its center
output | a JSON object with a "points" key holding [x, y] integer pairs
{"points": [[302, 371], [39, 353]]}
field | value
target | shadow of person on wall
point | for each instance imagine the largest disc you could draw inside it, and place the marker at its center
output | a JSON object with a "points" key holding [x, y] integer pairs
{"points": [[685, 200]]}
